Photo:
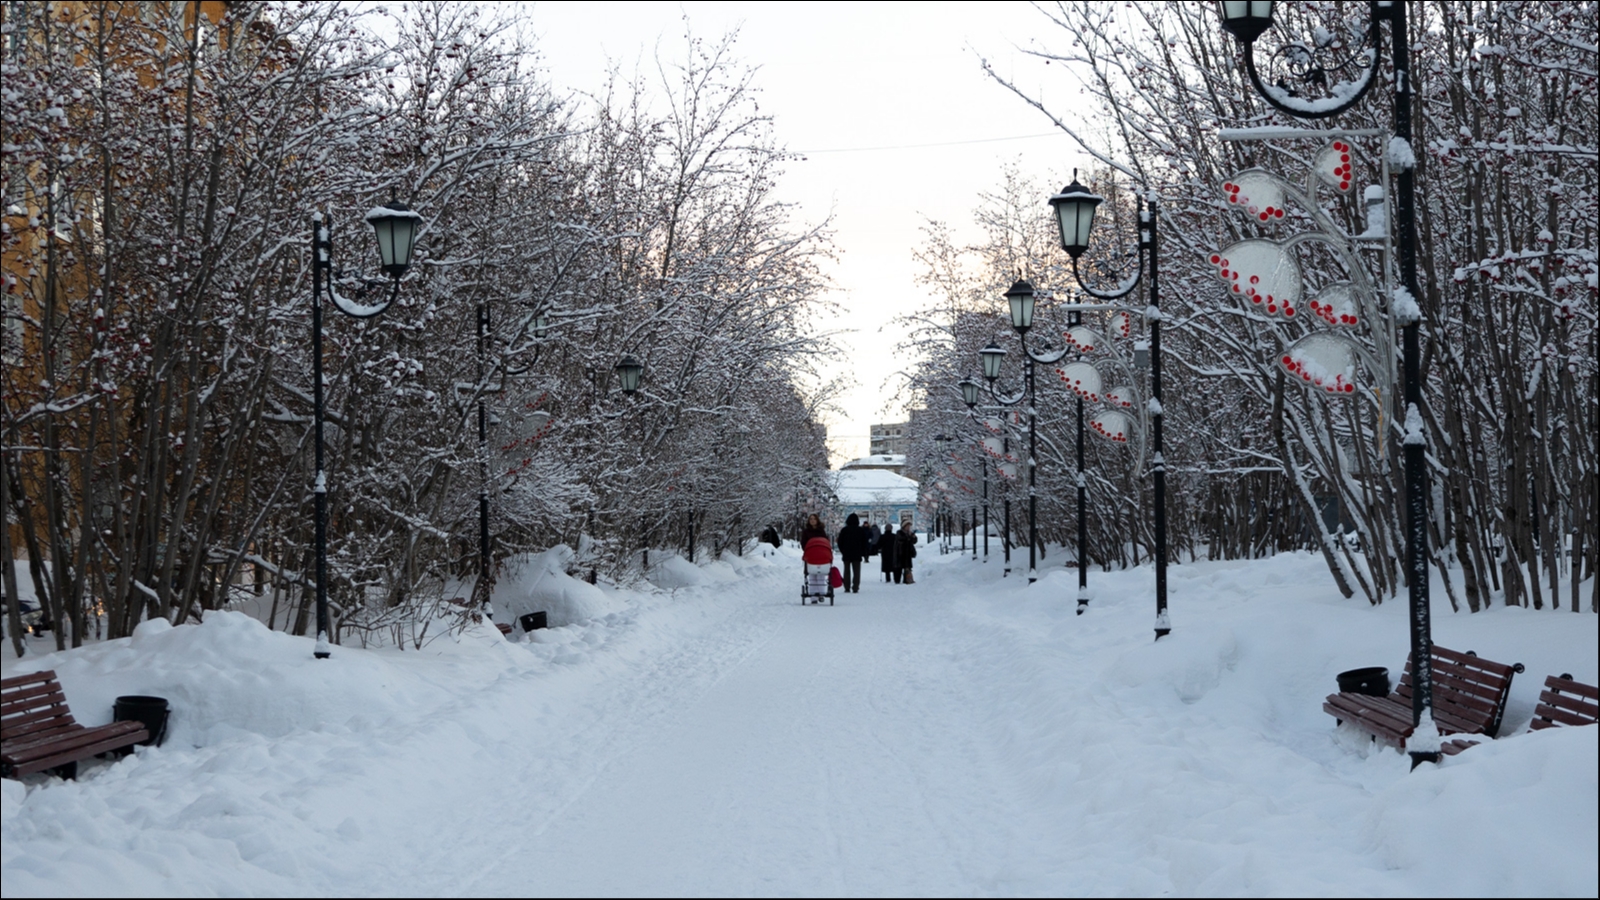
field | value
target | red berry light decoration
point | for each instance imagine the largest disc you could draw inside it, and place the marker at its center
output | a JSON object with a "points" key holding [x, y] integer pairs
{"points": [[1336, 305], [1257, 193], [1332, 165], [1325, 362], [1084, 379], [1263, 273], [1112, 425]]}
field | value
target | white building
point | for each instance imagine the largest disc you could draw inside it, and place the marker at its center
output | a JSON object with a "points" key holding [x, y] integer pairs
{"points": [[878, 492]]}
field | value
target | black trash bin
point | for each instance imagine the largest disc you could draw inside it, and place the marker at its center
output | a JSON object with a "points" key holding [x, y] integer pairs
{"points": [[150, 711], [1372, 680], [534, 620]]}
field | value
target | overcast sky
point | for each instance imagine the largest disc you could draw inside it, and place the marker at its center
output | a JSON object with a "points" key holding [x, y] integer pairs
{"points": [[896, 118]]}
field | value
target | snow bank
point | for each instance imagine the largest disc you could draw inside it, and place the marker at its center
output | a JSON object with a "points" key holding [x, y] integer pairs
{"points": [[541, 583], [231, 676]]}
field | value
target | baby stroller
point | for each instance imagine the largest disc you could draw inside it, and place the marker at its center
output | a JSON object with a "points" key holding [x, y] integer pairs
{"points": [[818, 585]]}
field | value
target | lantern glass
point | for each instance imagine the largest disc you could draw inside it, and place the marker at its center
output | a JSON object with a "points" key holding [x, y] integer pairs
{"points": [[969, 392], [993, 356], [396, 226], [1075, 207], [629, 371], [1246, 19], [541, 326], [1020, 297]]}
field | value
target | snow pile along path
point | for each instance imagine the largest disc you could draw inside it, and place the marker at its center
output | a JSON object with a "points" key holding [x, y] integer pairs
{"points": [[964, 735]]}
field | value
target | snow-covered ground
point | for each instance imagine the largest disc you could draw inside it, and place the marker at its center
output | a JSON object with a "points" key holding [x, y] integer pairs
{"points": [[963, 735]]}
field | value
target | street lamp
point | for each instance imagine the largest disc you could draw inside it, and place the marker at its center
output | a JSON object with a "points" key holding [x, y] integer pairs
{"points": [[1248, 21], [1075, 208], [396, 228], [969, 396], [1020, 297], [629, 371]]}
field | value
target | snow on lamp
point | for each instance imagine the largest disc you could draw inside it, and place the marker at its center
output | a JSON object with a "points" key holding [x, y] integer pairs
{"points": [[1075, 207], [396, 226]]}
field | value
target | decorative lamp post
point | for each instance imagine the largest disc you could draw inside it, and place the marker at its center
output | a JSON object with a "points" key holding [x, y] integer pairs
{"points": [[1075, 208], [1248, 21], [396, 228], [1075, 320], [1020, 297]]}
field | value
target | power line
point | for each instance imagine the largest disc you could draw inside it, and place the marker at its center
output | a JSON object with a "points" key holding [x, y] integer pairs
{"points": [[1019, 137]]}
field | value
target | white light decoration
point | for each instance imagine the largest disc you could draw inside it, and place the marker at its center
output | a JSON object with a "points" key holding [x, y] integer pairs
{"points": [[1112, 425], [1082, 378], [1122, 395], [1332, 165], [1256, 191], [1323, 361], [1122, 324], [1336, 304], [1084, 339], [1264, 273]]}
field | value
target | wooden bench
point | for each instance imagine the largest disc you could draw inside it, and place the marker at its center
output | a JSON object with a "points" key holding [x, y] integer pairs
{"points": [[1566, 702], [37, 731], [1469, 697]]}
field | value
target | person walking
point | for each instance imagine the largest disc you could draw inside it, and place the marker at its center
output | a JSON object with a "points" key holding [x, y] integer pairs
{"points": [[872, 535], [886, 554], [905, 551], [813, 529], [853, 547]]}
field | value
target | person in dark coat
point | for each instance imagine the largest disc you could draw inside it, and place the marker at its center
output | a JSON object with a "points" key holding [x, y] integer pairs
{"points": [[886, 555], [872, 536], [905, 551], [812, 529], [770, 536], [853, 547]]}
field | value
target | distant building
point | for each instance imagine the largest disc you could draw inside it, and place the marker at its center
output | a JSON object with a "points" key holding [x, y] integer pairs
{"points": [[893, 462], [878, 492], [889, 438]]}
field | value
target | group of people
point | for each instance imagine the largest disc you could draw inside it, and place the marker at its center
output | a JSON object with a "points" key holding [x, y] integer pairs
{"points": [[860, 540]]}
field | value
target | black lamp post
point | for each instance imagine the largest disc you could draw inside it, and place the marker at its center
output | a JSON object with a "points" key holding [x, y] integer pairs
{"points": [[396, 228], [1075, 319], [1247, 21], [1021, 300], [629, 371], [1075, 208]]}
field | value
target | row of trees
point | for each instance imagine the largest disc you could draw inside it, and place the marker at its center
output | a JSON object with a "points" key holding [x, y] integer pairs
{"points": [[162, 163], [1506, 135]]}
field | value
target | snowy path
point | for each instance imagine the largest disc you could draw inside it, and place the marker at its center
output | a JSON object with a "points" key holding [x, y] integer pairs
{"points": [[966, 735], [783, 750]]}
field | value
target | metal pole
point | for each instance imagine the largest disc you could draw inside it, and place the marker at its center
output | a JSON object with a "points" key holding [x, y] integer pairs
{"points": [[1083, 567], [985, 465], [483, 591], [1415, 442], [321, 251], [1033, 466], [1157, 462], [1005, 525], [974, 534]]}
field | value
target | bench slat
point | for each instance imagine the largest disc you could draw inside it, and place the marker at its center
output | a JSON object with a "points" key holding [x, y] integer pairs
{"points": [[33, 747], [7, 684], [1568, 686], [38, 722], [36, 757], [29, 697], [1574, 705]]}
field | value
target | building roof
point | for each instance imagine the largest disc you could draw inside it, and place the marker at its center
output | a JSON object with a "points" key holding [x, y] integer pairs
{"points": [[872, 487], [877, 461]]}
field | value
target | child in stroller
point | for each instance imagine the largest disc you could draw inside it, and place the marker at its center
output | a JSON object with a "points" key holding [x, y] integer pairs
{"points": [[818, 584]]}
